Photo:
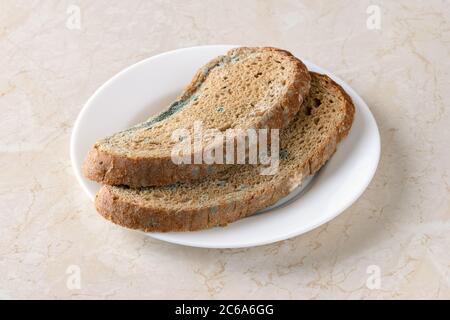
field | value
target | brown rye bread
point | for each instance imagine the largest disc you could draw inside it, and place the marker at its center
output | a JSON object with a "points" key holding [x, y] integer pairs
{"points": [[246, 88], [324, 120]]}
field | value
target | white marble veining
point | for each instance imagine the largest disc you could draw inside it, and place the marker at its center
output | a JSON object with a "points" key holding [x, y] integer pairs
{"points": [[400, 224]]}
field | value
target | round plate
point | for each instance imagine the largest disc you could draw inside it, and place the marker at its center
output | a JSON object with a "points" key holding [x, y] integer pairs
{"points": [[149, 86]]}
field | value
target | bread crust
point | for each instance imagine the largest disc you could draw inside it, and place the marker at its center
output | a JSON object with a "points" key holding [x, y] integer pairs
{"points": [[114, 169], [133, 216]]}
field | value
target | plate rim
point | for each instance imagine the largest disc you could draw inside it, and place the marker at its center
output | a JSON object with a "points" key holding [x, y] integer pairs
{"points": [[165, 236]]}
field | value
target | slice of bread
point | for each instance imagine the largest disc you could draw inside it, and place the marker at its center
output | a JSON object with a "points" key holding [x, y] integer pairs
{"points": [[325, 118], [246, 88]]}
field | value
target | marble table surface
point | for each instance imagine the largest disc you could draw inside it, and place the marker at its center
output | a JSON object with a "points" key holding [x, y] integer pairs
{"points": [[392, 243]]}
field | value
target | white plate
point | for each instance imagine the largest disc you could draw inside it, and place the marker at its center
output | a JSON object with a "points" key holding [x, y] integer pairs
{"points": [[149, 86]]}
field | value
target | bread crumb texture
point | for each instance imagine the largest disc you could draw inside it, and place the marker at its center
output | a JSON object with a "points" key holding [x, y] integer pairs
{"points": [[324, 119]]}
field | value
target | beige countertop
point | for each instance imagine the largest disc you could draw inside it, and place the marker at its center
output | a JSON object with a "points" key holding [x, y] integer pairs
{"points": [[54, 245]]}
